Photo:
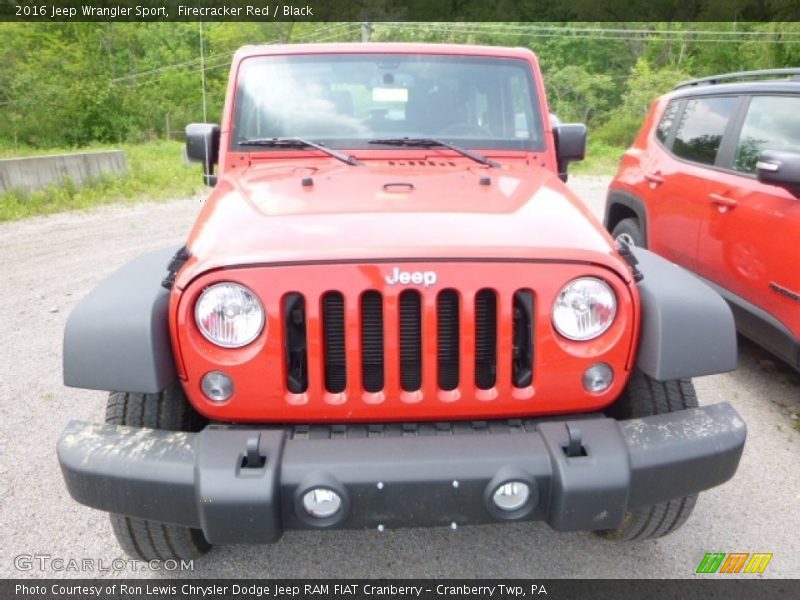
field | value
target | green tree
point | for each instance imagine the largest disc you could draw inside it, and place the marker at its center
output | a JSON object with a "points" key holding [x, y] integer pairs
{"points": [[644, 84], [577, 95]]}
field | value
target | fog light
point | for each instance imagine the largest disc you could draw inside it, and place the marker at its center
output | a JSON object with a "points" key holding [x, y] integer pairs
{"points": [[511, 496], [598, 378], [322, 503], [217, 386]]}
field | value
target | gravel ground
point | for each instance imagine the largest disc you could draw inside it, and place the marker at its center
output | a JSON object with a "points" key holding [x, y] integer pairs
{"points": [[50, 263]]}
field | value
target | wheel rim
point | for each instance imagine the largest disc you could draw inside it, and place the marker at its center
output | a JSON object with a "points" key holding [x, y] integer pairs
{"points": [[627, 239]]}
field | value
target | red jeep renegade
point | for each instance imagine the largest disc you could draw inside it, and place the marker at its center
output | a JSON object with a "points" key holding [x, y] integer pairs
{"points": [[712, 182], [392, 312]]}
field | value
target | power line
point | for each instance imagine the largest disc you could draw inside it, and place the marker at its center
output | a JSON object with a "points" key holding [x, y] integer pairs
{"points": [[623, 30], [532, 31], [557, 31], [228, 53], [218, 62], [578, 33], [158, 76]]}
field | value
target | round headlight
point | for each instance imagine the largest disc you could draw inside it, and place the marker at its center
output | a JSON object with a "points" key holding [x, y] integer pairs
{"points": [[229, 315], [584, 308]]}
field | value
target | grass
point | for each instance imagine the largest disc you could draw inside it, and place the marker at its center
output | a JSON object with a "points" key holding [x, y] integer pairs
{"points": [[155, 172], [601, 159]]}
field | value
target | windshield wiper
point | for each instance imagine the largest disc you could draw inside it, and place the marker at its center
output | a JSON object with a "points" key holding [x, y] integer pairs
{"points": [[295, 142], [432, 142]]}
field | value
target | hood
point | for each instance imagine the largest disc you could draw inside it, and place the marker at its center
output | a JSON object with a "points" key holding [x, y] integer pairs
{"points": [[402, 209]]}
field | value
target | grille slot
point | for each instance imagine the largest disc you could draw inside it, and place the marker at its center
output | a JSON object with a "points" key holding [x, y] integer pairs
{"points": [[294, 314], [448, 339], [485, 339], [522, 357], [410, 307], [372, 341], [333, 336]]}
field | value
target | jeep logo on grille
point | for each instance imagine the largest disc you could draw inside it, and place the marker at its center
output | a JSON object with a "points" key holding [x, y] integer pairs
{"points": [[426, 278]]}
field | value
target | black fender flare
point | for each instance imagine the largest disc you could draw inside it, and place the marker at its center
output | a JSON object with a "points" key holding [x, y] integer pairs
{"points": [[117, 337], [617, 198], [687, 329]]}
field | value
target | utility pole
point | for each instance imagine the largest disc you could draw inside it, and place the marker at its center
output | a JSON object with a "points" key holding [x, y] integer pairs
{"points": [[366, 31], [203, 73]]}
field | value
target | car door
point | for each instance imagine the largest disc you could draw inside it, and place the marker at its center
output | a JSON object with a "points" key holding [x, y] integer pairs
{"points": [[679, 180], [749, 240]]}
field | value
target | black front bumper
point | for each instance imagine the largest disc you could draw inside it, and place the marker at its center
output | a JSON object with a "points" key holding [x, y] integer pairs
{"points": [[395, 476]]}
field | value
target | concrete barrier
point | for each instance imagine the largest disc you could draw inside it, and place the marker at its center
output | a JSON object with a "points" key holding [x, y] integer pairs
{"points": [[36, 172]]}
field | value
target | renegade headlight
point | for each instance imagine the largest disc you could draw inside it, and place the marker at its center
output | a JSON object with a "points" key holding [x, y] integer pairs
{"points": [[584, 308], [229, 315]]}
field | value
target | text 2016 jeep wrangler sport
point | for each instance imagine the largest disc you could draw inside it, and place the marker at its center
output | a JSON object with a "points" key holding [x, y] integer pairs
{"points": [[392, 312]]}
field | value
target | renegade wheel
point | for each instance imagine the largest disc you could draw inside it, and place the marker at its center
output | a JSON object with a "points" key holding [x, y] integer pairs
{"points": [[628, 232], [644, 397], [140, 538]]}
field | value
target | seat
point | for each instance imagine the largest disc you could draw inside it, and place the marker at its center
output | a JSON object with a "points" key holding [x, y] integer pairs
{"points": [[343, 101]]}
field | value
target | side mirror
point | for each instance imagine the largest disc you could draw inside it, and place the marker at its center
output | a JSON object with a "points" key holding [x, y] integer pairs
{"points": [[202, 145], [570, 145], [781, 168]]}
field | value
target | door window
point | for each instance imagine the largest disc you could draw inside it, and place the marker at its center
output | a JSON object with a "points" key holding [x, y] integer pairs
{"points": [[771, 123], [701, 127], [662, 132]]}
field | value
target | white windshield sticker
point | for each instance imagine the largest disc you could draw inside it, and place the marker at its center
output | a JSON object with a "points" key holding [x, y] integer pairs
{"points": [[389, 95]]}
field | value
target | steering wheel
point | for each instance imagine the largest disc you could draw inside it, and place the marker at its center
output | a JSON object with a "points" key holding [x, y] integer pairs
{"points": [[465, 129]]}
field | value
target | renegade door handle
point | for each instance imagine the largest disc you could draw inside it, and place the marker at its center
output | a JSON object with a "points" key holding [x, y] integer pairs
{"points": [[721, 200], [654, 178]]}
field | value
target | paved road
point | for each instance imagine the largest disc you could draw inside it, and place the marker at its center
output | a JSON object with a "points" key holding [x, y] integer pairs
{"points": [[48, 264]]}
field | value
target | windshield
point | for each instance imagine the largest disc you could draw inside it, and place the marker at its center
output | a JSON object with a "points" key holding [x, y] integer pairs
{"points": [[346, 100]]}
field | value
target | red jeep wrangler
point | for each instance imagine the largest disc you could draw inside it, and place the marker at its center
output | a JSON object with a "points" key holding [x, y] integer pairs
{"points": [[392, 312]]}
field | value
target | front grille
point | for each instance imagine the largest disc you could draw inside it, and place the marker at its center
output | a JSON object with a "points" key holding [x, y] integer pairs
{"points": [[458, 340]]}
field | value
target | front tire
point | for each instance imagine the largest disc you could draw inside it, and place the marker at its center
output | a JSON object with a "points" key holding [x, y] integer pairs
{"points": [[141, 538], [628, 231], [644, 397]]}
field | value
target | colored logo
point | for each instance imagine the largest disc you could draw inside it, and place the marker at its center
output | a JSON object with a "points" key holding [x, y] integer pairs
{"points": [[735, 562]]}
